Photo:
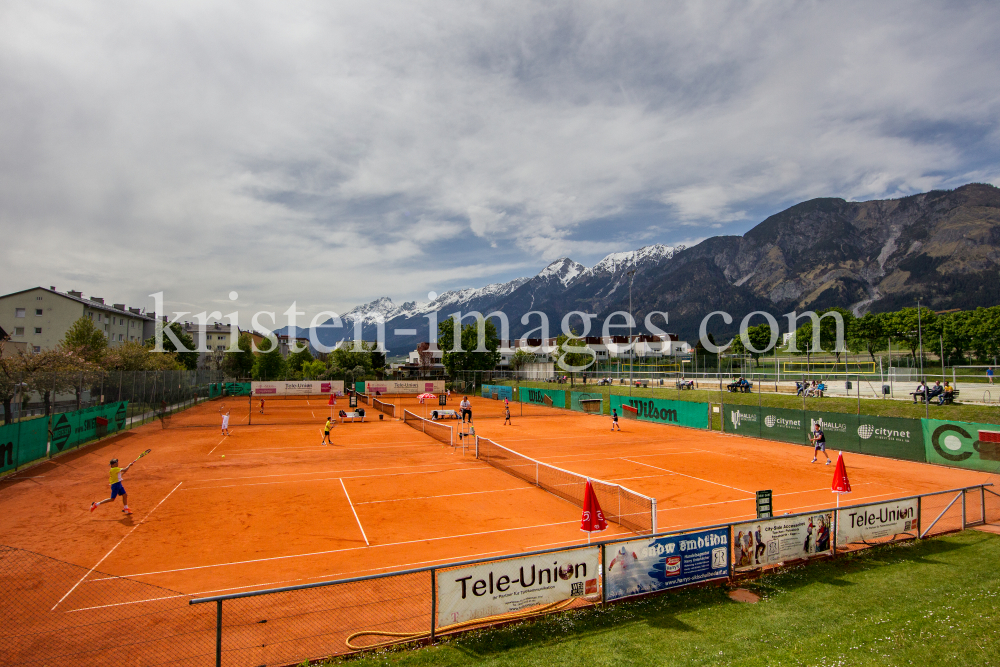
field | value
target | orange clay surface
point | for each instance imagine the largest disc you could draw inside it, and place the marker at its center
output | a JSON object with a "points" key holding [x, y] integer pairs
{"points": [[270, 506]]}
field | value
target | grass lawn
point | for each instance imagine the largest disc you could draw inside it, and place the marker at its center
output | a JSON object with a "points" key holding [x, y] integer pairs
{"points": [[870, 406], [933, 602]]}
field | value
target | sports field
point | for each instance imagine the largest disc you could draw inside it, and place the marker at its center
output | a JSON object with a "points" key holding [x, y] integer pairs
{"points": [[270, 506]]}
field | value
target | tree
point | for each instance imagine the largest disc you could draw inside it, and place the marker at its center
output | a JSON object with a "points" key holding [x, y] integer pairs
{"points": [[239, 364], [467, 358], [567, 357], [869, 333], [521, 358], [347, 359], [134, 356], [269, 364], [187, 358], [297, 359], [903, 325], [86, 341], [760, 339], [56, 372], [827, 333], [312, 370]]}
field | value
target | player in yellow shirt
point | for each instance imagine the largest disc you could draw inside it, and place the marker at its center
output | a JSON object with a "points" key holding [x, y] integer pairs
{"points": [[326, 431], [116, 486]]}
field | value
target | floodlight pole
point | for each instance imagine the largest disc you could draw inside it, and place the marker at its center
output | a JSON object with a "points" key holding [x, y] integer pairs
{"points": [[920, 339], [631, 348]]}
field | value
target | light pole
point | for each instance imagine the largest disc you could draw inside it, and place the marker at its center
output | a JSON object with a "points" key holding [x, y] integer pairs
{"points": [[920, 343], [631, 348]]}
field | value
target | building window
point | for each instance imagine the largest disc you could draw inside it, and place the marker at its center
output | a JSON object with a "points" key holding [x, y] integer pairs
{"points": [[98, 317], [18, 331], [220, 348], [19, 312], [38, 298], [38, 312], [37, 349], [121, 337], [38, 330]]}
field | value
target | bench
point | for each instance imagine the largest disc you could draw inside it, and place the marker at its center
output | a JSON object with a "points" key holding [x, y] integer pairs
{"points": [[684, 384], [445, 414], [357, 414]]}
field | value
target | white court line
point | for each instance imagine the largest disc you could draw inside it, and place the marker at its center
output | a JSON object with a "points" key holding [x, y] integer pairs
{"points": [[742, 500], [354, 512], [305, 448], [313, 412], [448, 495], [318, 472], [689, 476], [113, 548], [334, 551], [324, 479], [217, 446]]}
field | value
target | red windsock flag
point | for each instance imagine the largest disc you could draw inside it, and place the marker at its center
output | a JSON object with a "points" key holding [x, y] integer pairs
{"points": [[840, 482], [332, 401], [593, 517]]}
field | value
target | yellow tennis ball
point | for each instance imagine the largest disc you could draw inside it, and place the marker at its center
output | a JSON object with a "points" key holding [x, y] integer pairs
{"points": [[223, 456]]}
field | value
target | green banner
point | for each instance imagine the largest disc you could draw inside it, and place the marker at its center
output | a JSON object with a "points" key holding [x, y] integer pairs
{"points": [[963, 444], [553, 398], [784, 425], [359, 386], [236, 389], [661, 411], [892, 437], [71, 429], [741, 420], [502, 391], [840, 429], [8, 447], [33, 440], [590, 404]]}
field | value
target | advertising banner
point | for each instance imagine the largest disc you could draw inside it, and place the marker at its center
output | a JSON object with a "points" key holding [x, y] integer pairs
{"points": [[236, 388], [893, 437], [70, 429], [661, 411], [962, 444], [658, 563], [298, 388], [501, 587], [501, 391], [742, 420], [33, 440], [771, 541], [872, 522], [403, 386], [553, 398], [783, 424], [841, 430]]}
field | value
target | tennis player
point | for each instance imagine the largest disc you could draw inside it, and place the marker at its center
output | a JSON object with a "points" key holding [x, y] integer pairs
{"points": [[326, 431], [614, 421], [262, 406], [116, 487], [819, 442], [225, 424], [506, 416]]}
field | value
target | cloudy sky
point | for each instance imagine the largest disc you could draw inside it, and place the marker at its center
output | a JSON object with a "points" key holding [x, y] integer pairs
{"points": [[333, 153]]}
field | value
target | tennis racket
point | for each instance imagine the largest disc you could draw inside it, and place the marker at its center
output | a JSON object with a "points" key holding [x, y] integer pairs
{"points": [[222, 408], [141, 455]]}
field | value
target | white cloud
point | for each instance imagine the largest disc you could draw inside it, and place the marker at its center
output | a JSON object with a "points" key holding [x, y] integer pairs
{"points": [[287, 150]]}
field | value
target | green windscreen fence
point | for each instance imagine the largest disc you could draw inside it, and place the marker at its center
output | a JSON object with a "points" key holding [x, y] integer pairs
{"points": [[553, 398], [661, 411], [585, 401], [969, 445], [236, 388], [891, 437], [72, 429], [23, 442]]}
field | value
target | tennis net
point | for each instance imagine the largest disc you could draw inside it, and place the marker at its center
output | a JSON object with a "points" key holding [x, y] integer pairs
{"points": [[382, 406], [625, 507], [440, 432]]}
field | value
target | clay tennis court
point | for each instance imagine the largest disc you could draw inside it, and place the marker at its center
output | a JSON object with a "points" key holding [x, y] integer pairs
{"points": [[269, 506]]}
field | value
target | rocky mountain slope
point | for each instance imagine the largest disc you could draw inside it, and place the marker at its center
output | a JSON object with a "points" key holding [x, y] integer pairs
{"points": [[940, 246]]}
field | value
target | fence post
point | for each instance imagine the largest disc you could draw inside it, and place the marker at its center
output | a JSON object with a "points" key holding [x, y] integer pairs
{"points": [[963, 509], [654, 516], [982, 499], [920, 517], [218, 633], [433, 603]]}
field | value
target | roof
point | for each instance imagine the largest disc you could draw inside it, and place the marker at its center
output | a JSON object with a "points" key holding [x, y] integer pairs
{"points": [[86, 302]]}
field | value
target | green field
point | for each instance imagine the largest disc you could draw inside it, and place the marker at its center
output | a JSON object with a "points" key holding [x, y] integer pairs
{"points": [[869, 406], [932, 602]]}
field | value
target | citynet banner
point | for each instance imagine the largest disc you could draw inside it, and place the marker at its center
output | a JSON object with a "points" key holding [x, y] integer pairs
{"points": [[872, 522], [404, 386], [657, 563], [297, 388], [488, 589], [772, 541]]}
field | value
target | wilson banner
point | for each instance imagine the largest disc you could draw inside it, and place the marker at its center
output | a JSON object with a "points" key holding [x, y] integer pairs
{"points": [[681, 413]]}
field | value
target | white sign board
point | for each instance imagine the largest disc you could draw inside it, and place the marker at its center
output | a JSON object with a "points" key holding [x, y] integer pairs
{"points": [[501, 587], [872, 522], [404, 386], [297, 388], [772, 541]]}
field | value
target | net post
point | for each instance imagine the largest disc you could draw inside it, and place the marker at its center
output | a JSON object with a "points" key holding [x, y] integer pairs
{"points": [[536, 473], [433, 602], [218, 633], [654, 516]]}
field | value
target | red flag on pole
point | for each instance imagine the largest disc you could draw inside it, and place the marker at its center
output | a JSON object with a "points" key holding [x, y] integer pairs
{"points": [[840, 482], [593, 517], [333, 400]]}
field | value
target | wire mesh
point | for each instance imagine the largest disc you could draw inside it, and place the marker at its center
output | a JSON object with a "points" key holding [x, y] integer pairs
{"points": [[621, 505], [440, 432], [382, 406]]}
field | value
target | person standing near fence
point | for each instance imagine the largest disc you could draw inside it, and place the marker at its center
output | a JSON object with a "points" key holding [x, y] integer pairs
{"points": [[989, 374], [818, 439]]}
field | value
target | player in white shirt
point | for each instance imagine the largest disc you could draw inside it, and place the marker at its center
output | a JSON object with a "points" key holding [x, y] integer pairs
{"points": [[225, 424]]}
